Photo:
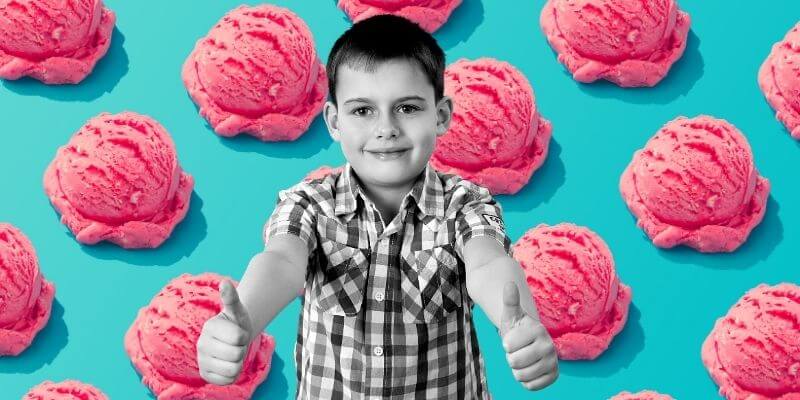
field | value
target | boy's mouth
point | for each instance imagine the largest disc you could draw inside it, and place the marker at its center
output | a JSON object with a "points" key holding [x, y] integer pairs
{"points": [[388, 153]]}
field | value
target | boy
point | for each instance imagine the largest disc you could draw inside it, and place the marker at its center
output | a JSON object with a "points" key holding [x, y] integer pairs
{"points": [[391, 253]]}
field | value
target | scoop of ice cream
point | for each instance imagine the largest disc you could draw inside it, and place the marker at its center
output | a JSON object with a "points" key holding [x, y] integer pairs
{"points": [[614, 30], [571, 275], [695, 183], [25, 297], [643, 395], [257, 71], [430, 15], [55, 41], [118, 179], [628, 42], [753, 352], [162, 342], [497, 138], [66, 390], [779, 78], [45, 28]]}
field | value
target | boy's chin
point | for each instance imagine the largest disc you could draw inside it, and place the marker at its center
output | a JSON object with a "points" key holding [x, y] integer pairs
{"points": [[388, 173]]}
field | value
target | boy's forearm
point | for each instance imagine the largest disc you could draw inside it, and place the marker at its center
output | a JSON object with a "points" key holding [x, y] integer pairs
{"points": [[269, 284], [485, 286]]}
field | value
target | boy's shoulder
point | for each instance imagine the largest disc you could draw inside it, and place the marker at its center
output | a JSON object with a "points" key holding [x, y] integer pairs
{"points": [[318, 190], [459, 192]]}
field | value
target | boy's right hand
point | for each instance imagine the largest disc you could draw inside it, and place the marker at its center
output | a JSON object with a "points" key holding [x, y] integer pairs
{"points": [[224, 340]]}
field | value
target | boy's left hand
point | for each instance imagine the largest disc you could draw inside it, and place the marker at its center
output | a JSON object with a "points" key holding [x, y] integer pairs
{"points": [[529, 349]]}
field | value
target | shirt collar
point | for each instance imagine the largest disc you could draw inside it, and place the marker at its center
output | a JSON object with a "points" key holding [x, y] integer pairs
{"points": [[427, 193]]}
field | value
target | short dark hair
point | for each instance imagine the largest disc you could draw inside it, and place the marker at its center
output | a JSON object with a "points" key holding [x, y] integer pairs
{"points": [[383, 38]]}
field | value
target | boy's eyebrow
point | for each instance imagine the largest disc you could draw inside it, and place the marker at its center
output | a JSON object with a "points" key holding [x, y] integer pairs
{"points": [[401, 99]]}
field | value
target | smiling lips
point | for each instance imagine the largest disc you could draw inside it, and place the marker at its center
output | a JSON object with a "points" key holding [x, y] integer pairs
{"points": [[391, 153]]}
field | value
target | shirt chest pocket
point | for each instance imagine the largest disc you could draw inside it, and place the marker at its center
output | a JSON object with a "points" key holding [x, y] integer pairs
{"points": [[431, 286], [339, 281]]}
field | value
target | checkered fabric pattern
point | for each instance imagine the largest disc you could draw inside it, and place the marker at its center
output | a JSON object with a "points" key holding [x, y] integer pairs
{"points": [[386, 313]]}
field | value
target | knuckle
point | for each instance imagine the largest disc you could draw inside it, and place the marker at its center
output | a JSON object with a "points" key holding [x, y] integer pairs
{"points": [[240, 353], [517, 375], [230, 371], [512, 361]]}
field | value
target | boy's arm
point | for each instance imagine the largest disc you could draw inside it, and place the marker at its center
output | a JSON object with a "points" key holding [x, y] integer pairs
{"points": [[273, 279], [495, 281], [488, 268]]}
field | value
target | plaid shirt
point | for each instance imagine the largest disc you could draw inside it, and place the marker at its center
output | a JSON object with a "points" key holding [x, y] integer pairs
{"points": [[386, 313]]}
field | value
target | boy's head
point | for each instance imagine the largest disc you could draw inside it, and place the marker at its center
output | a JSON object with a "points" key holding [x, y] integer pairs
{"points": [[386, 77]]}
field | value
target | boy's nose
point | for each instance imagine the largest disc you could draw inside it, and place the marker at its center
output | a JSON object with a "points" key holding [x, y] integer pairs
{"points": [[386, 129]]}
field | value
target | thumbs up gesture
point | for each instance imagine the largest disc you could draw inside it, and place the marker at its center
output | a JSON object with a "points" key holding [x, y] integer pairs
{"points": [[529, 349], [224, 339]]}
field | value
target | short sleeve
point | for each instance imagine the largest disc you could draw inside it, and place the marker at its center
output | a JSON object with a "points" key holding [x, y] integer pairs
{"points": [[293, 215], [480, 216]]}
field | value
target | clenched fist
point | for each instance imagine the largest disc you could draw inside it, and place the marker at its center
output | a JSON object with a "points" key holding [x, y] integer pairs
{"points": [[529, 349], [223, 343]]}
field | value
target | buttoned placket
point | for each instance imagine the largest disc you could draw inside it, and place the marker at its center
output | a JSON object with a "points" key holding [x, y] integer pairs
{"points": [[378, 314]]}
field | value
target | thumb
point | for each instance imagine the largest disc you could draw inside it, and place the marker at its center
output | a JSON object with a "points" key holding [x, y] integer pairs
{"points": [[232, 307], [512, 311]]}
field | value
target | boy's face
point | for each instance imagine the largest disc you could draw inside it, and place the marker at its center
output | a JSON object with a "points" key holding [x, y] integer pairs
{"points": [[387, 121]]}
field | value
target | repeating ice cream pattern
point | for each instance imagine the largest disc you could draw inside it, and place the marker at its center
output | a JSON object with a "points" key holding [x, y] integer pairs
{"points": [[118, 178]]}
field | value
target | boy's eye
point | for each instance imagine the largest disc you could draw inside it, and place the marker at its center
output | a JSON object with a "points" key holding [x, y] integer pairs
{"points": [[362, 111], [407, 108]]}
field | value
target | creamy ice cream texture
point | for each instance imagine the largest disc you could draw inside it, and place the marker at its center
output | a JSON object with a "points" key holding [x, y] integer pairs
{"points": [[695, 184], [257, 72], [54, 41], [779, 79], [753, 352], [25, 296], [65, 390], [118, 179], [430, 15], [643, 395], [162, 342], [497, 138], [571, 274], [628, 42]]}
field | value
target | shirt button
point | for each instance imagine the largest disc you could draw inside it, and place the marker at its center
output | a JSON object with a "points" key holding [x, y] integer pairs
{"points": [[378, 351], [379, 296]]}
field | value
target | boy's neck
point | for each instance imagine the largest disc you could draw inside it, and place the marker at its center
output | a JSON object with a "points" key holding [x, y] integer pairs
{"points": [[387, 199]]}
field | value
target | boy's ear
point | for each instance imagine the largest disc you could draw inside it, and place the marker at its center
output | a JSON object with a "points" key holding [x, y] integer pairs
{"points": [[331, 116], [444, 114]]}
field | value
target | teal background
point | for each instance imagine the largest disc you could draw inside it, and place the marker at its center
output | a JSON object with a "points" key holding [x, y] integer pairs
{"points": [[677, 294]]}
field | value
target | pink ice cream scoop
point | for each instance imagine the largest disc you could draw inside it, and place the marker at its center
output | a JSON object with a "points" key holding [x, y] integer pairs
{"points": [[430, 15], [497, 138], [571, 275], [628, 42], [695, 184], [54, 41], [779, 78], [162, 343], [257, 72], [118, 179], [753, 352], [643, 395], [65, 390], [25, 296]]}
